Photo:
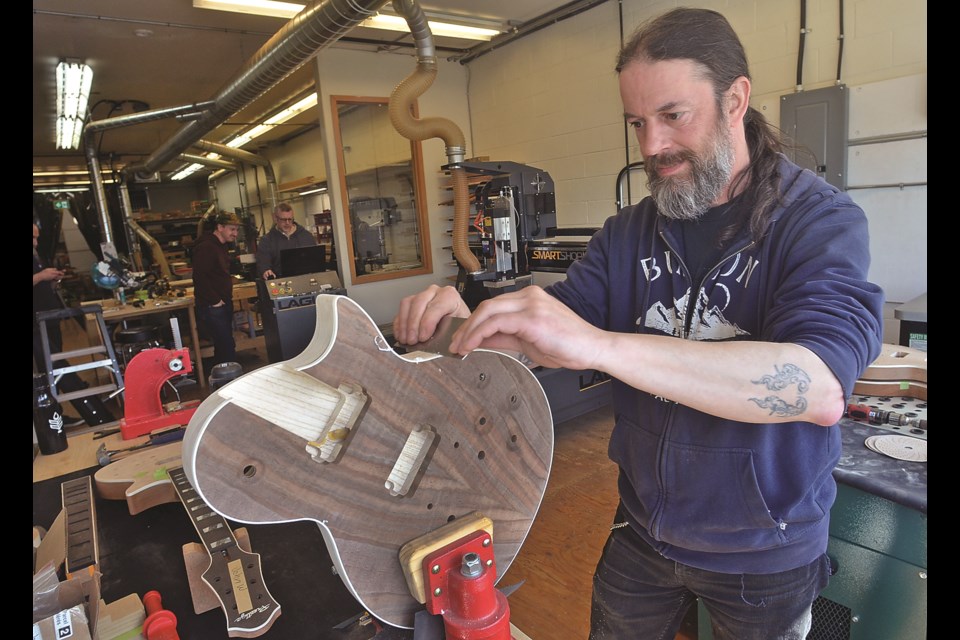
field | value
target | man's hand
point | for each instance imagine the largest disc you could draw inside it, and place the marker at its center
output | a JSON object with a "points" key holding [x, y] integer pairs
{"points": [[48, 274], [534, 323], [420, 313], [269, 274]]}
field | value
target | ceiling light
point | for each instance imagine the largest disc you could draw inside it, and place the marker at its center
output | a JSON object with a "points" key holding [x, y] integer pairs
{"points": [[47, 183], [298, 107], [437, 27], [317, 190], [257, 7], [77, 172], [440, 25], [186, 171], [61, 190], [278, 118], [73, 91]]}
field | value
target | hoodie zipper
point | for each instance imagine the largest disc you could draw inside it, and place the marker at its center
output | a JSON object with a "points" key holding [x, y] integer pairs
{"points": [[695, 290], [685, 335]]}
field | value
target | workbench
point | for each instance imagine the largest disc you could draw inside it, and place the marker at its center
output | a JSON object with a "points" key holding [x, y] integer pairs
{"points": [[144, 552], [877, 547], [114, 313], [243, 292]]}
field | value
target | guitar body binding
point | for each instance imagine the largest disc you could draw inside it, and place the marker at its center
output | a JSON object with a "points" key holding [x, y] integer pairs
{"points": [[378, 449]]}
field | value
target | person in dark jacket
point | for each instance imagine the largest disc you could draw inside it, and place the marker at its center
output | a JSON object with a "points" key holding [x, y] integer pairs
{"points": [[46, 297], [285, 234], [732, 310], [213, 286]]}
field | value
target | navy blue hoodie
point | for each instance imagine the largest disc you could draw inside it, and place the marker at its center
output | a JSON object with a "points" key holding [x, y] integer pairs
{"points": [[709, 492]]}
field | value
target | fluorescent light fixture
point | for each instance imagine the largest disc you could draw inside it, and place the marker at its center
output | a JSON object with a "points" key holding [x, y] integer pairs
{"points": [[437, 27], [440, 25], [61, 190], [186, 171], [72, 182], [278, 118], [73, 92], [271, 8], [310, 100], [76, 172], [317, 190]]}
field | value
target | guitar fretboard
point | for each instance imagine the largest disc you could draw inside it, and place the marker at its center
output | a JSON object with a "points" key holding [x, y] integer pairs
{"points": [[214, 532], [81, 524]]}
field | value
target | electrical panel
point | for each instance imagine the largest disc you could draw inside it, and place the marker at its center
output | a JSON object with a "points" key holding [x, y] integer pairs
{"points": [[816, 121]]}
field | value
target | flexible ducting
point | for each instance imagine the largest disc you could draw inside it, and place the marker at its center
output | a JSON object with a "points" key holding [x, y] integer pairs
{"points": [[401, 115], [318, 25]]}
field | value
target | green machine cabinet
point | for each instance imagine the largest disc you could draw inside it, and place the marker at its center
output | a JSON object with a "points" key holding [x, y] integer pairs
{"points": [[877, 548]]}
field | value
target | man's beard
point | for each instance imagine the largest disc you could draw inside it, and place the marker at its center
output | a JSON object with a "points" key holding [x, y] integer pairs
{"points": [[688, 197]]}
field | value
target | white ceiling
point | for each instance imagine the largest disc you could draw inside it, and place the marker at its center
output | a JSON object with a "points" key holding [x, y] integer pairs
{"points": [[161, 54]]}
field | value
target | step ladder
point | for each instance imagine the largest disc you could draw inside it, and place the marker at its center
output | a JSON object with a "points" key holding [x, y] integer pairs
{"points": [[54, 374]]}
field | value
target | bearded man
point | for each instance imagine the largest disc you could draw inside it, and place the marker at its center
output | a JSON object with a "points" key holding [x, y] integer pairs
{"points": [[732, 310]]}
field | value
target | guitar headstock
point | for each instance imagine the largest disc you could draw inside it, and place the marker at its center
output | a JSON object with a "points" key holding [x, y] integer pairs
{"points": [[235, 577]]}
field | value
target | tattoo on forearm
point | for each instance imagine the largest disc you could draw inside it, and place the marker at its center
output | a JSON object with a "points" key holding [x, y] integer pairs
{"points": [[789, 375], [779, 407]]}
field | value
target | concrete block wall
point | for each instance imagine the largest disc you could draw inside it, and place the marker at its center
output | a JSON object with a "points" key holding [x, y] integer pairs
{"points": [[551, 98]]}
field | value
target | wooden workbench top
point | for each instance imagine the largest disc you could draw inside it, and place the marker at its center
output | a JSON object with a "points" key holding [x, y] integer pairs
{"points": [[81, 453]]}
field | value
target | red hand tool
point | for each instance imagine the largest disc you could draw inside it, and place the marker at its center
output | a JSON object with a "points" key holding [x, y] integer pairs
{"points": [[160, 624]]}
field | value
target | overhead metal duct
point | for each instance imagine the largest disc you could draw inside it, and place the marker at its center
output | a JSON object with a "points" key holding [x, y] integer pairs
{"points": [[317, 26], [246, 156], [93, 163], [213, 162]]}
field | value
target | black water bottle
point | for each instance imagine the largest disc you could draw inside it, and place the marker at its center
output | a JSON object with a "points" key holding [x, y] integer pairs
{"points": [[47, 417]]}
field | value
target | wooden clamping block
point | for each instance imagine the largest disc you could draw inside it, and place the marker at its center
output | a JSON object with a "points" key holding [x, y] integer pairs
{"points": [[121, 618], [413, 552], [197, 560]]}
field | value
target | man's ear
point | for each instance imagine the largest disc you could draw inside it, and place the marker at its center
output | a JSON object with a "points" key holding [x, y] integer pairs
{"points": [[738, 99]]}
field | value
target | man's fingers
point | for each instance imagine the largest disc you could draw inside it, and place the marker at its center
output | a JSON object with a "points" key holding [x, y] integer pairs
{"points": [[419, 314]]}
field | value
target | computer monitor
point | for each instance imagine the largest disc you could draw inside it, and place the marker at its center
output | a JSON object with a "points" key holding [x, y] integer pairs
{"points": [[302, 260]]}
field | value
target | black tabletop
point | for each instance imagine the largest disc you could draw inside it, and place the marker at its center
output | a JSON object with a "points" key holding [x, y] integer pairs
{"points": [[145, 552], [899, 481]]}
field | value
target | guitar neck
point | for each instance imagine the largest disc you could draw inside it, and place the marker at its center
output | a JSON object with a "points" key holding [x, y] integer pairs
{"points": [[234, 575], [83, 553], [214, 532]]}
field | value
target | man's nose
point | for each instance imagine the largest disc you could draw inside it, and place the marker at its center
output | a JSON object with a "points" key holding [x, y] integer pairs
{"points": [[653, 138]]}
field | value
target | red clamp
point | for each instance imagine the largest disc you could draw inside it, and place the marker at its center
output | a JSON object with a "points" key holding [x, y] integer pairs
{"points": [[459, 582], [146, 374], [160, 624]]}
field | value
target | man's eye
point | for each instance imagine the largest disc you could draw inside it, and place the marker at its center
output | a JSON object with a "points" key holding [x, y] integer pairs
{"points": [[636, 124], [672, 116]]}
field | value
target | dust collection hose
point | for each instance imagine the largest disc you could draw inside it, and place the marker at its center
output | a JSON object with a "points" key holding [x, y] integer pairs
{"points": [[401, 115]]}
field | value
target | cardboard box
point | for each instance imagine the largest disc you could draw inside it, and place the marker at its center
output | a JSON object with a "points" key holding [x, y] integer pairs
{"points": [[62, 607], [70, 623]]}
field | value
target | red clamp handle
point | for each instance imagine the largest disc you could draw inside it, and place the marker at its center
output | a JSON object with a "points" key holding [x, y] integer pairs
{"points": [[160, 624]]}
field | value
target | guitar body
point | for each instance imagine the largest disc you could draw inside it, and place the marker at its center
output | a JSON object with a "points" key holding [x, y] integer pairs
{"points": [[376, 448], [141, 478], [897, 371]]}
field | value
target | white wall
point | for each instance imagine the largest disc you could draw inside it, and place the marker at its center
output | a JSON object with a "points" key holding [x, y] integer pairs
{"points": [[550, 100], [354, 73]]}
